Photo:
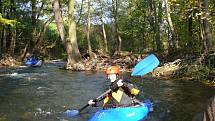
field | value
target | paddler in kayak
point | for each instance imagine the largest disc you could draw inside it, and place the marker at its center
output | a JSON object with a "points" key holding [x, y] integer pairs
{"points": [[122, 93]]}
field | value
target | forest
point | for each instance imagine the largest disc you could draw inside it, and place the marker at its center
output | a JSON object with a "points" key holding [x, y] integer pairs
{"points": [[179, 32]]}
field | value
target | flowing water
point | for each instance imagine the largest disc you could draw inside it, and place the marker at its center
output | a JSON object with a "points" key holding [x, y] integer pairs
{"points": [[41, 94]]}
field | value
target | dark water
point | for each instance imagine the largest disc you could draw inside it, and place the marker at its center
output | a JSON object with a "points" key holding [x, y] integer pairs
{"points": [[40, 94]]}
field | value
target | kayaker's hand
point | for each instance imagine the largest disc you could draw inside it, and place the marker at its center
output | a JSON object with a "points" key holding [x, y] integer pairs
{"points": [[119, 83], [91, 102], [116, 85]]}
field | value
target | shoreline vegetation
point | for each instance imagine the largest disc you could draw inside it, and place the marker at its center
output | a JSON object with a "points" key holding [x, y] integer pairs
{"points": [[189, 67]]}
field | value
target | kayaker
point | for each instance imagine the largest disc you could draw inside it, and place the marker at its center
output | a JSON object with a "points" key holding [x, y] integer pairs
{"points": [[122, 93], [31, 57]]}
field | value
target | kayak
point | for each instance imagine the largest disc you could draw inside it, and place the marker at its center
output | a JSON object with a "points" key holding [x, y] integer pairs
{"points": [[34, 63], [133, 113]]}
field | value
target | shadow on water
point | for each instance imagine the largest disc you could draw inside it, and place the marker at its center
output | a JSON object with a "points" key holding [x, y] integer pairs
{"points": [[40, 94]]}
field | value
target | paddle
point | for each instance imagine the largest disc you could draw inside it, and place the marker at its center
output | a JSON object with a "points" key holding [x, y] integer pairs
{"points": [[144, 66], [72, 113]]}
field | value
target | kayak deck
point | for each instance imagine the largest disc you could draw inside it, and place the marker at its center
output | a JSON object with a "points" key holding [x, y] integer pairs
{"points": [[33, 63], [134, 113]]}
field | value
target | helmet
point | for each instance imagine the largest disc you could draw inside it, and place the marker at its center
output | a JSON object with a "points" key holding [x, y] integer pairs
{"points": [[113, 70]]}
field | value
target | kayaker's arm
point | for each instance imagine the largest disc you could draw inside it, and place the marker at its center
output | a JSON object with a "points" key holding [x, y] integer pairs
{"points": [[130, 89], [93, 102]]}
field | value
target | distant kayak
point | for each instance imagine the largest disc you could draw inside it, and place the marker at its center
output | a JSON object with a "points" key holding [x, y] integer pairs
{"points": [[33, 62], [133, 113]]}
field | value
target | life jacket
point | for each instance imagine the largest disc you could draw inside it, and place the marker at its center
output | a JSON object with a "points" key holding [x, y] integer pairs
{"points": [[122, 95]]}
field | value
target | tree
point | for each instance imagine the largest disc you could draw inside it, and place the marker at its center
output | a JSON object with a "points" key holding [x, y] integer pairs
{"points": [[88, 30], [207, 31], [72, 49], [174, 42], [73, 54]]}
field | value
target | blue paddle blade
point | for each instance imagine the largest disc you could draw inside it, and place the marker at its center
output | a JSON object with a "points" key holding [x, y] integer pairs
{"points": [[70, 113], [145, 66]]}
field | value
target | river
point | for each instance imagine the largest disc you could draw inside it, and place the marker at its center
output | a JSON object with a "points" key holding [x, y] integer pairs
{"points": [[41, 94]]}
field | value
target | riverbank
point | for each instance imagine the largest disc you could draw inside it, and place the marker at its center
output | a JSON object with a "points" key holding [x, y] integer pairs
{"points": [[189, 67], [9, 61]]}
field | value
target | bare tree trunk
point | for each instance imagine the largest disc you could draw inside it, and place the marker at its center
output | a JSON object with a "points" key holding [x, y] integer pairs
{"points": [[33, 22], [25, 50], [13, 29], [4, 39], [104, 36], [13, 42], [114, 34], [201, 29], [73, 51], [40, 10], [190, 29], [152, 20], [80, 14], [173, 42], [159, 20], [103, 28], [73, 54], [119, 39], [88, 30], [58, 20], [207, 31]]}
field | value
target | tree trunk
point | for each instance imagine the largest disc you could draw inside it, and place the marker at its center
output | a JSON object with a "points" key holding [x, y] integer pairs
{"points": [[152, 20], [105, 37], [119, 39], [207, 31], [173, 42], [80, 14], [114, 34], [13, 42], [73, 54], [72, 41], [201, 29], [103, 28], [4, 39], [13, 29], [58, 20], [159, 20], [33, 22], [88, 30], [191, 42], [25, 50]]}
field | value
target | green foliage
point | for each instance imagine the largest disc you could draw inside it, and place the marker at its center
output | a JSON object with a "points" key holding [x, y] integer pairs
{"points": [[82, 39], [202, 73], [135, 21], [4, 21], [52, 43], [197, 72]]}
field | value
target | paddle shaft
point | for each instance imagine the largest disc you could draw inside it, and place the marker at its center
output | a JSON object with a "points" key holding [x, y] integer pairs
{"points": [[102, 95]]}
